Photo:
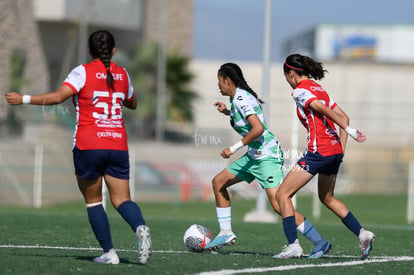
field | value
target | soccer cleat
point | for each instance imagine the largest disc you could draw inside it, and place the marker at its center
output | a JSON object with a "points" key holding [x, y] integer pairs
{"points": [[320, 250], [221, 240], [293, 250], [109, 257], [144, 244], [366, 238]]}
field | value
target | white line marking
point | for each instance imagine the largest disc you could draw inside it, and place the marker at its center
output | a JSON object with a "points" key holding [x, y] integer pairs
{"points": [[303, 266], [79, 248], [373, 259]]}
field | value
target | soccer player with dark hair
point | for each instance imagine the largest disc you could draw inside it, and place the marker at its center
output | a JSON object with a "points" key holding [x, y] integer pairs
{"points": [[318, 113], [99, 90], [263, 160]]}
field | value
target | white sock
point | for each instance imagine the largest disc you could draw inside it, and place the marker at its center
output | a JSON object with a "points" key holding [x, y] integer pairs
{"points": [[224, 218], [301, 228]]}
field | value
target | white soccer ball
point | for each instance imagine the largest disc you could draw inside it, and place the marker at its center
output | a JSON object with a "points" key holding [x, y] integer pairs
{"points": [[196, 237]]}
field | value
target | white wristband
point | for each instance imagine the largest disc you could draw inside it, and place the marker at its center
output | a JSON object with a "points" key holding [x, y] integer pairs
{"points": [[352, 132], [26, 99], [236, 146]]}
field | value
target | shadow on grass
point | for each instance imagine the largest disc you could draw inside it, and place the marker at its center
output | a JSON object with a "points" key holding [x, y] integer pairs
{"points": [[305, 256], [121, 260]]}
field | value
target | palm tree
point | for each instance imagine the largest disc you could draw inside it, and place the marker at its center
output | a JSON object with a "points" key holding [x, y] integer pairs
{"points": [[18, 63], [179, 107], [179, 97]]}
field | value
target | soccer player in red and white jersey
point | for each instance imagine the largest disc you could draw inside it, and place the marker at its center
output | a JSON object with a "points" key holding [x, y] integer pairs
{"points": [[319, 114], [99, 90]]}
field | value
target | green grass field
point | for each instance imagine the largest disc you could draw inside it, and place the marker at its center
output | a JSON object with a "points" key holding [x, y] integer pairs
{"points": [[58, 240]]}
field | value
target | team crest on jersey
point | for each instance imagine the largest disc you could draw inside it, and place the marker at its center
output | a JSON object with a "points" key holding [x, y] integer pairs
{"points": [[301, 96], [330, 132], [245, 108]]}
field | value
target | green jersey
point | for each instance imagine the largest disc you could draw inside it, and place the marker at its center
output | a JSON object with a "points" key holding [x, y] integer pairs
{"points": [[244, 104]]}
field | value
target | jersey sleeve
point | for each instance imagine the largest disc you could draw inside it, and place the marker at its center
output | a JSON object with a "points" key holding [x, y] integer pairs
{"points": [[131, 91], [76, 79], [332, 103], [303, 97], [244, 106]]}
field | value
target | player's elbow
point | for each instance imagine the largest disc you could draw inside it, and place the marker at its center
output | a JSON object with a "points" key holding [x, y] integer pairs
{"points": [[131, 104], [261, 129], [258, 130], [59, 100], [54, 100]]}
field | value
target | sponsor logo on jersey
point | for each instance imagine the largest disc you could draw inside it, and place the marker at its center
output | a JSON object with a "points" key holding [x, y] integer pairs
{"points": [[109, 134], [100, 75], [316, 88]]}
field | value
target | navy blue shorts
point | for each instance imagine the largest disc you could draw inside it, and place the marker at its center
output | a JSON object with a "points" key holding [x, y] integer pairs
{"points": [[91, 164], [315, 163]]}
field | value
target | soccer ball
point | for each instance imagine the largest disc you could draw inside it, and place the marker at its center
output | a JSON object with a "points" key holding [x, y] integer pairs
{"points": [[196, 237]]}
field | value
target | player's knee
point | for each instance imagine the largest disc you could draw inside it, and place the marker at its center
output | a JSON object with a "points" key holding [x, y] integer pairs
{"points": [[327, 199], [280, 196], [117, 201], [216, 183]]}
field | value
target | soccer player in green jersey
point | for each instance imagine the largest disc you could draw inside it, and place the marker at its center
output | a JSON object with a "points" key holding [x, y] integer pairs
{"points": [[263, 160]]}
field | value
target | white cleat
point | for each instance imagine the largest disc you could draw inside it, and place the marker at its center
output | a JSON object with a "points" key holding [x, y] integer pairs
{"points": [[366, 238], [109, 257], [221, 240], [293, 250], [144, 244]]}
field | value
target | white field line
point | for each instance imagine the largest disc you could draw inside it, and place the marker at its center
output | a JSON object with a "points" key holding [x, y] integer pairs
{"points": [[154, 251], [371, 260], [305, 266], [78, 248], [177, 252]]}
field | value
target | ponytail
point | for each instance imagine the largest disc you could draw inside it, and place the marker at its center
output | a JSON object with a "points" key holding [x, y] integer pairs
{"points": [[304, 65], [101, 44]]}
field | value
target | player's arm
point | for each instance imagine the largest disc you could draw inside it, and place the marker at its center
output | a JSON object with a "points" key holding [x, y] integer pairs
{"points": [[338, 117], [256, 130], [131, 104], [222, 108], [131, 101], [50, 98], [342, 134]]}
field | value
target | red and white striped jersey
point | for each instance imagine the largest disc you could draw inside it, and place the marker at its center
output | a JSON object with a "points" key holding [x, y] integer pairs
{"points": [[322, 135], [99, 121]]}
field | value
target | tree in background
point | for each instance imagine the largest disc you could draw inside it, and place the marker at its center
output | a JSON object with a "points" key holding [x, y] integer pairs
{"points": [[18, 62], [179, 96]]}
